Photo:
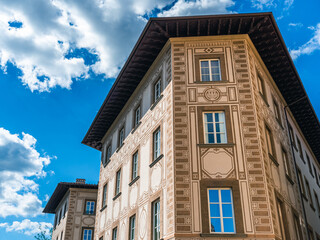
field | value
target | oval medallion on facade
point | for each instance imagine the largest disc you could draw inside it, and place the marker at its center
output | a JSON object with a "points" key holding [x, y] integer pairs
{"points": [[212, 94]]}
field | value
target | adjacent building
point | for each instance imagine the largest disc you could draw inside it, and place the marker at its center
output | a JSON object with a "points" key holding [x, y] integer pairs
{"points": [[207, 133], [74, 206]]}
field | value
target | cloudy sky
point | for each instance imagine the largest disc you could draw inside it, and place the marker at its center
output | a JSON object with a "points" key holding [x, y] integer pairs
{"points": [[58, 60]]}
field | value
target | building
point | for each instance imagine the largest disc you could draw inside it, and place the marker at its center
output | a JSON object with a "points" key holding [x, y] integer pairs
{"points": [[74, 206], [207, 133]]}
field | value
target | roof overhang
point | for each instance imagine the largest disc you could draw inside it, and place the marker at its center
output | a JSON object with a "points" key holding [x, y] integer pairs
{"points": [[60, 191], [263, 32]]}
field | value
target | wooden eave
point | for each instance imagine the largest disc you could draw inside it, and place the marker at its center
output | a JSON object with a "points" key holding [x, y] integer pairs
{"points": [[265, 35]]}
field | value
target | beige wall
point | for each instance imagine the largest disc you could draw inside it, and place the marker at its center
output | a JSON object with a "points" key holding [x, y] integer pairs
{"points": [[154, 182], [189, 167]]}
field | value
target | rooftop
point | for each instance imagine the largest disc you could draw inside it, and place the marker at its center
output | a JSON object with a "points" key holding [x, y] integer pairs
{"points": [[263, 32], [61, 190]]}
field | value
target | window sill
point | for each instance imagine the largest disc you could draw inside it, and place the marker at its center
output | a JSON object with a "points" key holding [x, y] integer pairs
{"points": [[103, 208], [224, 235], [116, 196], [210, 82], [155, 161], [290, 179], [156, 102], [118, 149], [216, 145], [134, 180], [273, 159], [264, 99], [89, 214], [136, 127]]}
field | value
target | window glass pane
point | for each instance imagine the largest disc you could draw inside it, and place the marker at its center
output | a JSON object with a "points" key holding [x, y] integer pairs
{"points": [[228, 225], [205, 71], [210, 138], [215, 63], [226, 196], [204, 64], [215, 225], [214, 210], [208, 117], [227, 210], [205, 78], [209, 127], [213, 195]]}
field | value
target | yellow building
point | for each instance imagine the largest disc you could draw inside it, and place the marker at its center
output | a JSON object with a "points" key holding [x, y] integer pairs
{"points": [[207, 133]]}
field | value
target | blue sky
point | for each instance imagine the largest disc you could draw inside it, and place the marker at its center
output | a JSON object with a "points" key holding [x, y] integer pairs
{"points": [[58, 61]]}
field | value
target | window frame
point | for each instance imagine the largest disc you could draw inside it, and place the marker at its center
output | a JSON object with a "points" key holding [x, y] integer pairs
{"points": [[135, 165], [292, 136], [87, 228], [282, 217], [85, 207], [301, 181], [156, 96], [309, 164], [300, 149], [221, 211], [118, 183], [115, 233], [210, 69], [317, 201], [134, 227], [214, 127], [136, 122], [309, 193], [238, 215], [277, 112], [154, 216], [261, 86], [104, 196], [297, 225], [270, 144], [121, 137], [156, 151]]}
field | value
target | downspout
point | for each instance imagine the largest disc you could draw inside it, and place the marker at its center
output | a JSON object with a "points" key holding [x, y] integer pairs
{"points": [[295, 165]]}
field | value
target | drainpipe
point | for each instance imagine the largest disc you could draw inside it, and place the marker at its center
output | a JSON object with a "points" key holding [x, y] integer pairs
{"points": [[295, 164]]}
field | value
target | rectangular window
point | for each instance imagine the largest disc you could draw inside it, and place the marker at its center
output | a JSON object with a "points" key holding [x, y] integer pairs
{"points": [[108, 154], [214, 127], [157, 90], [221, 213], [293, 142], [303, 190], [317, 202], [300, 149], [270, 143], [281, 218], [210, 70], [277, 111], [87, 234], [297, 227], [134, 165], [286, 163], [90, 207], [132, 227], [114, 233], [309, 164], [137, 116], [309, 193], [65, 207], [118, 177], [261, 87], [61, 235], [55, 221], [156, 220], [121, 137], [101, 238], [156, 144], [104, 195]]}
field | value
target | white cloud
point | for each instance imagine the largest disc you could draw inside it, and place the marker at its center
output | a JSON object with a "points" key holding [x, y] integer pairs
{"points": [[198, 7], [27, 227], [107, 28], [309, 47], [20, 165], [261, 4], [295, 25]]}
